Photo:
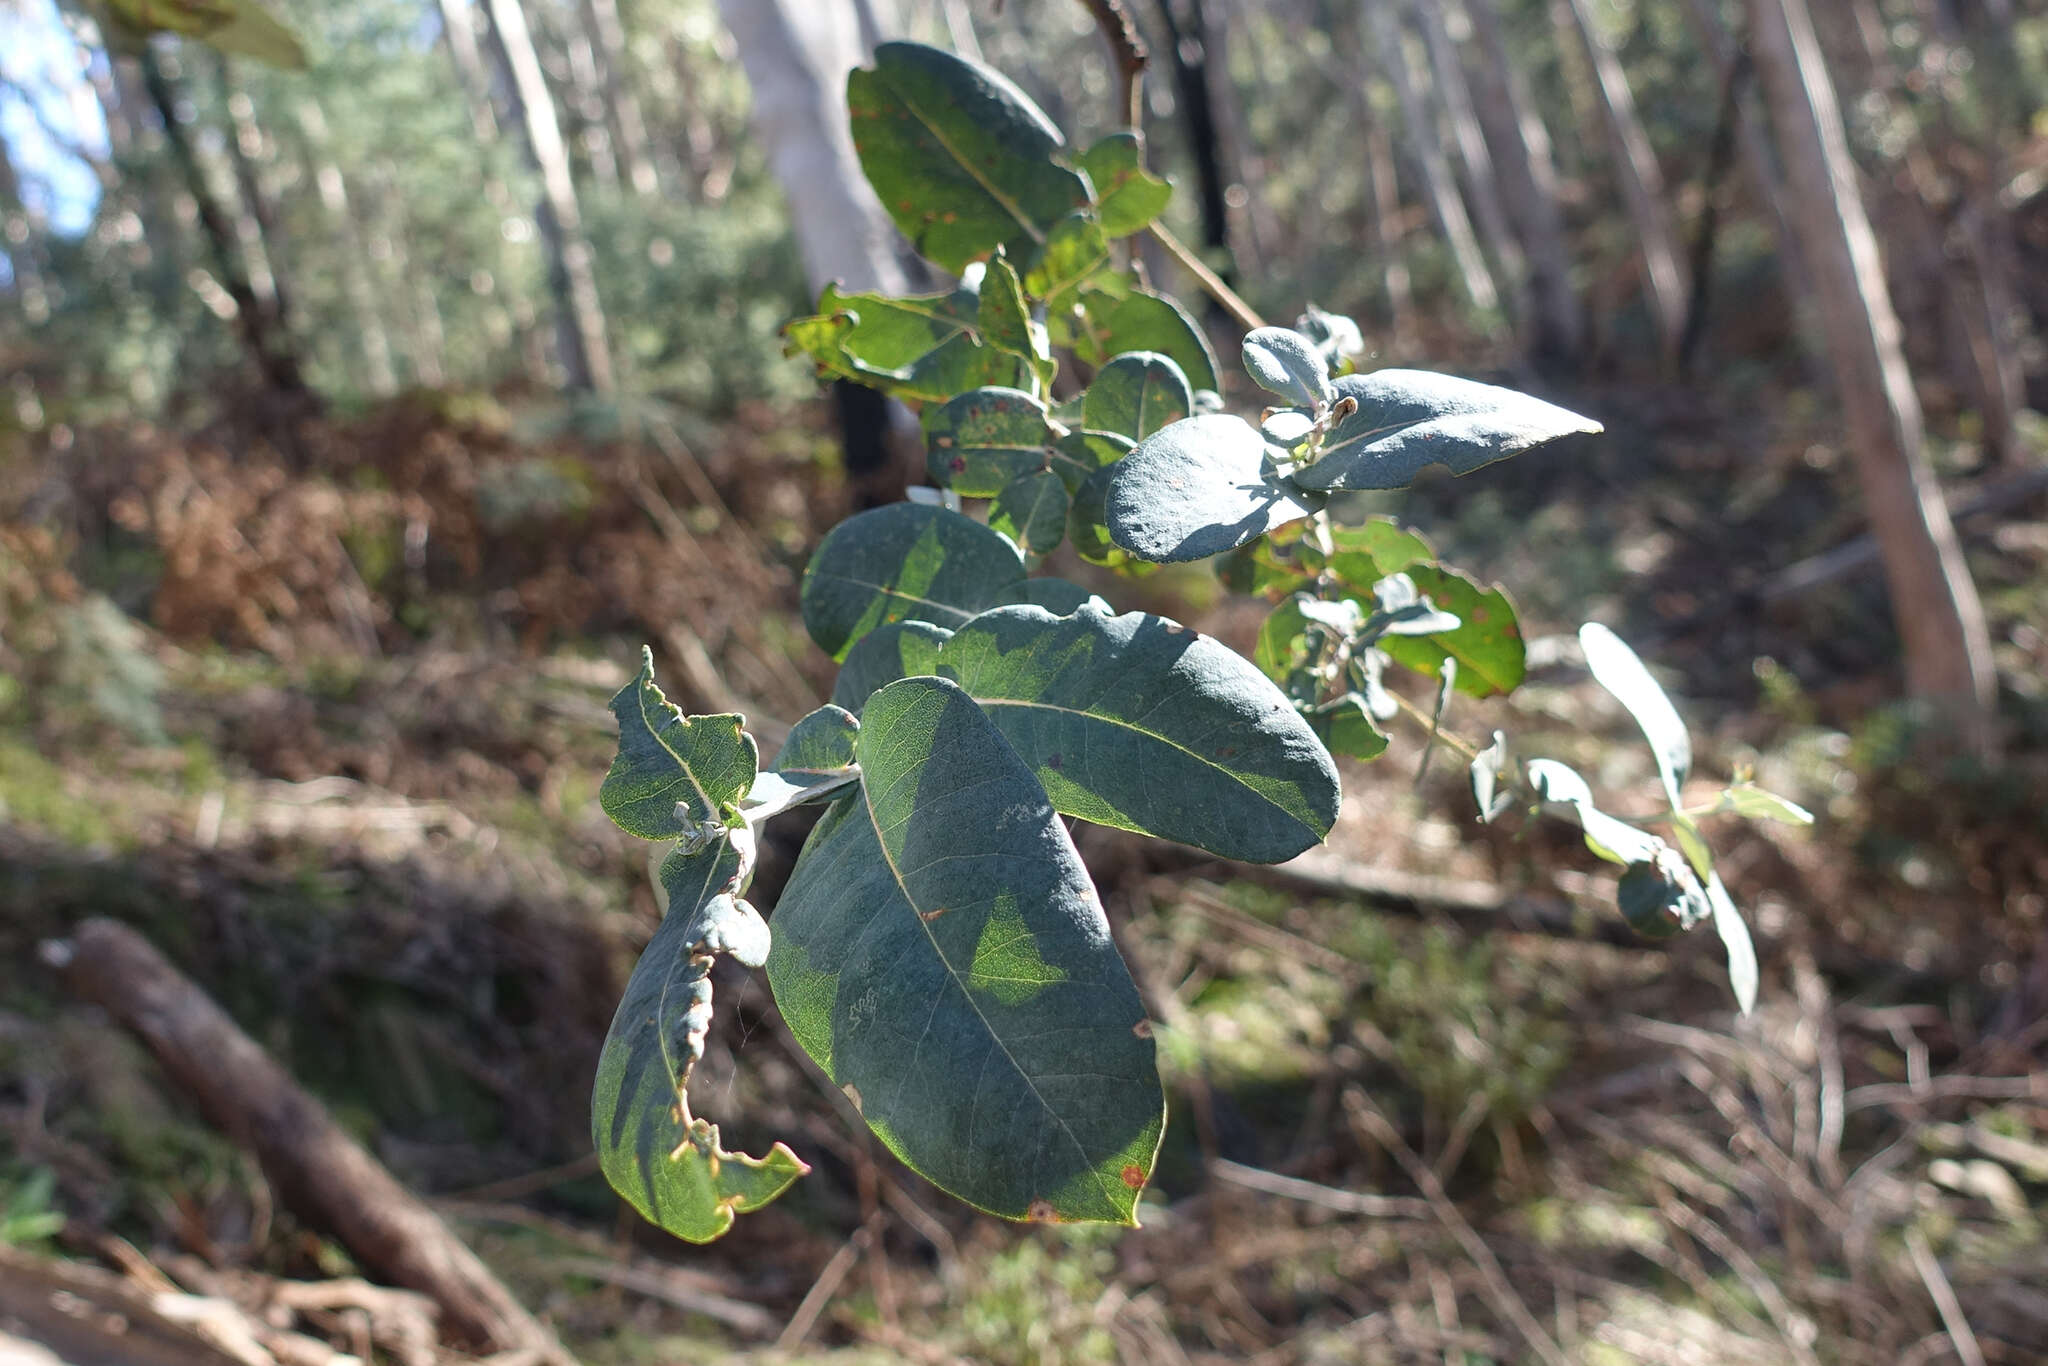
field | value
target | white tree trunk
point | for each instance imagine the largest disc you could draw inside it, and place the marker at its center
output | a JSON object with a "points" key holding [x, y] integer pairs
{"points": [[797, 54], [1947, 647]]}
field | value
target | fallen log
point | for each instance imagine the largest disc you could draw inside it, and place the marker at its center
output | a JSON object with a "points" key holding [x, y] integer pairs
{"points": [[317, 1170]]}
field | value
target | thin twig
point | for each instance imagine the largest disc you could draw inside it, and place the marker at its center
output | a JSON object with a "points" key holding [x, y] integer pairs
{"points": [[821, 1292], [1499, 1293], [1211, 283], [1113, 17], [1311, 1193], [1944, 1296]]}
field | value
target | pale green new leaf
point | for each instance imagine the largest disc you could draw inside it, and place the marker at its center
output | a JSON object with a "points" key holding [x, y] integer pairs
{"points": [[667, 761]]}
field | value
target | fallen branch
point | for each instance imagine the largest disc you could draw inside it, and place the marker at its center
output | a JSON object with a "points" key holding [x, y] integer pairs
{"points": [[318, 1171]]}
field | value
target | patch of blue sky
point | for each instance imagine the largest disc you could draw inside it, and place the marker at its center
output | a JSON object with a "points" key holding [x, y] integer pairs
{"points": [[44, 117]]}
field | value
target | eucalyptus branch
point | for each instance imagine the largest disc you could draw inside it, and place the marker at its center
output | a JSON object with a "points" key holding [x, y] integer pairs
{"points": [[1211, 283]]}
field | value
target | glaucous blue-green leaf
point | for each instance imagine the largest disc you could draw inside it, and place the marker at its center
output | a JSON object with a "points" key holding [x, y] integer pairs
{"points": [[1487, 642], [962, 159], [979, 441], [668, 1167], [1080, 453], [1620, 670], [1614, 840], [1127, 196], [820, 745], [1032, 511], [1728, 923], [1059, 597], [1747, 799], [667, 761], [1658, 899], [941, 954], [922, 347], [1333, 334], [1136, 394], [903, 649], [905, 562], [1138, 722], [1284, 362], [1195, 489], [1087, 527], [1408, 420], [1074, 250], [1287, 426], [1487, 766], [1112, 324]]}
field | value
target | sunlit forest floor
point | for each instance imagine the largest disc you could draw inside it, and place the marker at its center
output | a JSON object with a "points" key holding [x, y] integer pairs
{"points": [[345, 776]]}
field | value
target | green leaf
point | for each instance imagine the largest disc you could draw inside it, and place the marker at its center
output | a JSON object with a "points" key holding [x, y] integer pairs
{"points": [[1286, 363], [1747, 799], [1692, 843], [1074, 250], [1138, 722], [1079, 454], [1032, 511], [1195, 489], [1659, 898], [1126, 196], [1614, 840], [671, 1170], [981, 440], [1618, 669], [1282, 645], [1112, 324], [905, 562], [1333, 334], [1346, 728], [819, 746], [962, 159], [1487, 643], [1369, 552], [1005, 320], [922, 347], [239, 27], [942, 955], [1136, 394], [667, 761], [1728, 923], [1086, 524], [902, 649], [1408, 420]]}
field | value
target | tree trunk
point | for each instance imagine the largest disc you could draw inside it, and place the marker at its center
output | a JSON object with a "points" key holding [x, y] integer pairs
{"points": [[1389, 51], [622, 103], [572, 274], [1642, 183], [256, 223], [261, 330], [1528, 184], [797, 54], [1482, 187], [379, 378], [1947, 647], [1186, 48]]}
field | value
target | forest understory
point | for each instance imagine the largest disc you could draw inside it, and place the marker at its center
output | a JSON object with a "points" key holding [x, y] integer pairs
{"points": [[1429, 1098]]}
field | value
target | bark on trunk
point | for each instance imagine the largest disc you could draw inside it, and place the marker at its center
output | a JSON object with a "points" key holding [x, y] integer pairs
{"points": [[1389, 52], [379, 378], [1947, 647], [1528, 183], [1642, 183], [622, 102], [572, 275], [1482, 187]]}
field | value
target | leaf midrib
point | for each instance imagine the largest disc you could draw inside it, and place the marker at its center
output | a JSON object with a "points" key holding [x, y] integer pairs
{"points": [[1008, 205], [953, 975]]}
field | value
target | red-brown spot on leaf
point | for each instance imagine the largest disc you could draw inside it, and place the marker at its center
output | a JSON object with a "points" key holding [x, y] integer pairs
{"points": [[1042, 1212], [933, 914], [1143, 1029], [1133, 1175]]}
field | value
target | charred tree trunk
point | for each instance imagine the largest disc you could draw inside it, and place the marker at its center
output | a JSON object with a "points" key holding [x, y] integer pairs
{"points": [[261, 329], [1947, 646]]}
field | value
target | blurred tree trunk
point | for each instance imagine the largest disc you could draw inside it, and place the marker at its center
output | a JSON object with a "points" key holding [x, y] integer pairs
{"points": [[1482, 185], [1955, 261], [622, 102], [21, 240], [379, 378], [797, 54], [1947, 646], [1186, 48], [256, 223], [1642, 182], [1255, 234], [459, 35], [572, 274], [1528, 183], [1388, 50], [261, 330]]}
